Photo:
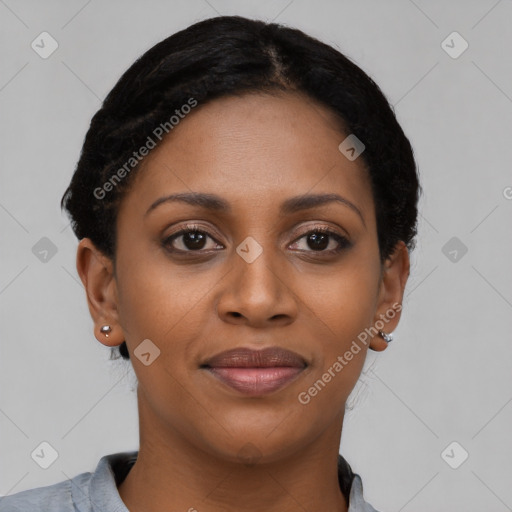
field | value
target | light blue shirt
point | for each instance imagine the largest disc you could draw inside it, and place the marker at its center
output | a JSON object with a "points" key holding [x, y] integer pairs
{"points": [[97, 491]]}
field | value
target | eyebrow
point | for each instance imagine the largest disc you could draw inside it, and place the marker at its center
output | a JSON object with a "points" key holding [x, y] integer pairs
{"points": [[291, 205]]}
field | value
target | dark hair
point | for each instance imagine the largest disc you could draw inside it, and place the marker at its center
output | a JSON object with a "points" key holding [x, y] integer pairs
{"points": [[231, 55]]}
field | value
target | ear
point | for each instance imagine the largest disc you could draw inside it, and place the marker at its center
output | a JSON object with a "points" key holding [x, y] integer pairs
{"points": [[394, 275], [96, 272]]}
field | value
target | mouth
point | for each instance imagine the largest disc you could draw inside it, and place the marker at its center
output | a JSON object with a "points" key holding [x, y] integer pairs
{"points": [[255, 372]]}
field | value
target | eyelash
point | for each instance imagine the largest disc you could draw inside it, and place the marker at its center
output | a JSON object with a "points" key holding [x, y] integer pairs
{"points": [[343, 242]]}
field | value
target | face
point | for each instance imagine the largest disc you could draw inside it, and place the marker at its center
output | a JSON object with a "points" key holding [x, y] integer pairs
{"points": [[253, 269]]}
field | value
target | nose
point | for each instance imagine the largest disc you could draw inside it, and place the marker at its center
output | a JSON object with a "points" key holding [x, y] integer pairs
{"points": [[258, 293]]}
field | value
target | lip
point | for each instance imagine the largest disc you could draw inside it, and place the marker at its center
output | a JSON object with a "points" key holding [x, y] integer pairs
{"points": [[255, 372]]}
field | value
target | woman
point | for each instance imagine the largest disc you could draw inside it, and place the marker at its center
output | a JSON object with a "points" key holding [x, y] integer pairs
{"points": [[245, 202]]}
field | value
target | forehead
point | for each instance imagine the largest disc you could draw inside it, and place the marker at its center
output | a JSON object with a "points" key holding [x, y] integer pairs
{"points": [[253, 150]]}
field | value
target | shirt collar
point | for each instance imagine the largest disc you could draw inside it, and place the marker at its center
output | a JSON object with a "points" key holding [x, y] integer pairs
{"points": [[112, 469]]}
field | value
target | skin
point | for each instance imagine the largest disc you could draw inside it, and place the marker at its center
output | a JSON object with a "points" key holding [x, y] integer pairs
{"points": [[254, 151]]}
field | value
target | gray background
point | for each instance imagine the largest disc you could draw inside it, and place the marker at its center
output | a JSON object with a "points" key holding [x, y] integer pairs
{"points": [[446, 377]]}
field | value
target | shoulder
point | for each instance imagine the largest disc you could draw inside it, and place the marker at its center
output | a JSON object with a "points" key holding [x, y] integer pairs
{"points": [[351, 486], [357, 502], [58, 497], [81, 493]]}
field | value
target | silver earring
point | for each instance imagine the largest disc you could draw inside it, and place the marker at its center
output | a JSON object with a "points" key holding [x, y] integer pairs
{"points": [[106, 329], [387, 337]]}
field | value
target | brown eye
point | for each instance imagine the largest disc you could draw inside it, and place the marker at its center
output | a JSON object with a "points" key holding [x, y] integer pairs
{"points": [[194, 239], [319, 239], [190, 239]]}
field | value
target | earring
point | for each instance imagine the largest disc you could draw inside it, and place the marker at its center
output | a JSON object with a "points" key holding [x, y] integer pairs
{"points": [[387, 337], [106, 329]]}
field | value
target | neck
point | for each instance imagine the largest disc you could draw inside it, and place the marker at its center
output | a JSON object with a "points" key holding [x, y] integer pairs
{"points": [[171, 472]]}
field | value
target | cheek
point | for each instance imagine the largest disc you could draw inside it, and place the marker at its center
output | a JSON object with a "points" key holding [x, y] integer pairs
{"points": [[153, 294], [167, 304], [343, 308], [345, 300]]}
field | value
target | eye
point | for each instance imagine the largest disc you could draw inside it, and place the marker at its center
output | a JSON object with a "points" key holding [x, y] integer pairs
{"points": [[319, 239], [193, 239]]}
